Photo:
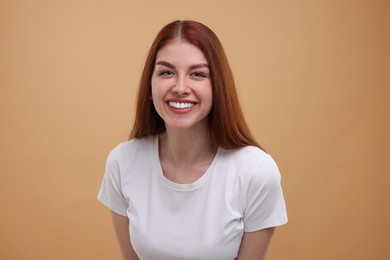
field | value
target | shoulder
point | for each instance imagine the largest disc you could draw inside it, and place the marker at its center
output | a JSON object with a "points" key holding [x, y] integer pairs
{"points": [[252, 164], [132, 147], [248, 155], [128, 158]]}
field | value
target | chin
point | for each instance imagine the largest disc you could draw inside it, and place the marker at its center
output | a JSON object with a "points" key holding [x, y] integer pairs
{"points": [[180, 127]]}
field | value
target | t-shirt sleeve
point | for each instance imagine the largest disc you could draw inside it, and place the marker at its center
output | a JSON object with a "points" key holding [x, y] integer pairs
{"points": [[265, 205], [110, 193]]}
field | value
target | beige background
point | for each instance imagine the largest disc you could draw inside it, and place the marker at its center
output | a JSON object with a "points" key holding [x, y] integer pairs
{"points": [[313, 78]]}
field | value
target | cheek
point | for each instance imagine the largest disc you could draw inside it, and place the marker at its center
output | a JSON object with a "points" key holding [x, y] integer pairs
{"points": [[154, 89], [156, 97], [153, 92], [209, 93]]}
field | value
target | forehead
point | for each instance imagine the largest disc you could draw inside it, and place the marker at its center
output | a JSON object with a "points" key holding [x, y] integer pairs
{"points": [[181, 52]]}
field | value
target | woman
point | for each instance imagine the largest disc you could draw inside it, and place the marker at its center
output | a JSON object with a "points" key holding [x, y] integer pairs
{"points": [[191, 183]]}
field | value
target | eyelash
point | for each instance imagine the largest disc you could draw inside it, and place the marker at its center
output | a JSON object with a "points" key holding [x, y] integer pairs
{"points": [[199, 74], [165, 73], [196, 74]]}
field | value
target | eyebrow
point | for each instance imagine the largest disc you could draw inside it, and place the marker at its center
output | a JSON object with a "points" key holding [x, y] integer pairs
{"points": [[195, 66]]}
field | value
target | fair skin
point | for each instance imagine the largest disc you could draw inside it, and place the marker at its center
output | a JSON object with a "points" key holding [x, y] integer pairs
{"points": [[182, 96], [121, 228]]}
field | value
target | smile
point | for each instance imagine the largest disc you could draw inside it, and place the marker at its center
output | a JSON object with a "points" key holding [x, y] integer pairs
{"points": [[179, 105]]}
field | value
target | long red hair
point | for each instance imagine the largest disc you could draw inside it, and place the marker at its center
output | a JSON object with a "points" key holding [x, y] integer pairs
{"points": [[228, 128]]}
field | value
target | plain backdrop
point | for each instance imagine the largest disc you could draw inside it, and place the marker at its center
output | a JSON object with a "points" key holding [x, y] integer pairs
{"points": [[313, 80]]}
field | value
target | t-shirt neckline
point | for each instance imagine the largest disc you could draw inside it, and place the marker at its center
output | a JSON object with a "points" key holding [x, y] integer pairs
{"points": [[180, 186]]}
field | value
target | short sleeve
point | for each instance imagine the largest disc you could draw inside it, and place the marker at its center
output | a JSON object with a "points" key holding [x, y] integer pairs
{"points": [[265, 205], [110, 193]]}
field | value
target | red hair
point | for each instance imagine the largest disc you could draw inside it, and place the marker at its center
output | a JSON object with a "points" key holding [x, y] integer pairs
{"points": [[228, 128]]}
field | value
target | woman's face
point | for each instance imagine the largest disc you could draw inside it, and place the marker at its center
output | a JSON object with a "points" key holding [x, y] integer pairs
{"points": [[181, 86]]}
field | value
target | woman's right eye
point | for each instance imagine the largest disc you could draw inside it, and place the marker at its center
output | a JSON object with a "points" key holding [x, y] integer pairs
{"points": [[165, 73]]}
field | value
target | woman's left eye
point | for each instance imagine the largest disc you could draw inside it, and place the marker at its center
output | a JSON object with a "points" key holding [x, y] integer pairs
{"points": [[198, 74]]}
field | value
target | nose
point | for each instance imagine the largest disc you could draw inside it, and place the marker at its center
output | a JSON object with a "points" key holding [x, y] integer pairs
{"points": [[181, 87]]}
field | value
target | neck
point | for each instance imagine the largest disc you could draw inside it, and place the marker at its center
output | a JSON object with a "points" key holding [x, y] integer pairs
{"points": [[184, 148]]}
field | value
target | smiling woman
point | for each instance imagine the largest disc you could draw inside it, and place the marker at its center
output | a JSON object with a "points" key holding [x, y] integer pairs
{"points": [[191, 183], [181, 86]]}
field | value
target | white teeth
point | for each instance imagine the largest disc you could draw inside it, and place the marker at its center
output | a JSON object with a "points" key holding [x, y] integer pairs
{"points": [[180, 105]]}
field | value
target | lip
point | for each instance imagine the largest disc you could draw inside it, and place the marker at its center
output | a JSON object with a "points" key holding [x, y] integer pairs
{"points": [[181, 110]]}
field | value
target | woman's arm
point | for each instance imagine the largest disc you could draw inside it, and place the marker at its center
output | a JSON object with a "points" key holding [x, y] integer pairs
{"points": [[121, 227], [254, 245]]}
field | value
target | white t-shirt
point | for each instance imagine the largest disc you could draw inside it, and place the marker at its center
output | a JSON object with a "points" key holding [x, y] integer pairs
{"points": [[240, 191]]}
